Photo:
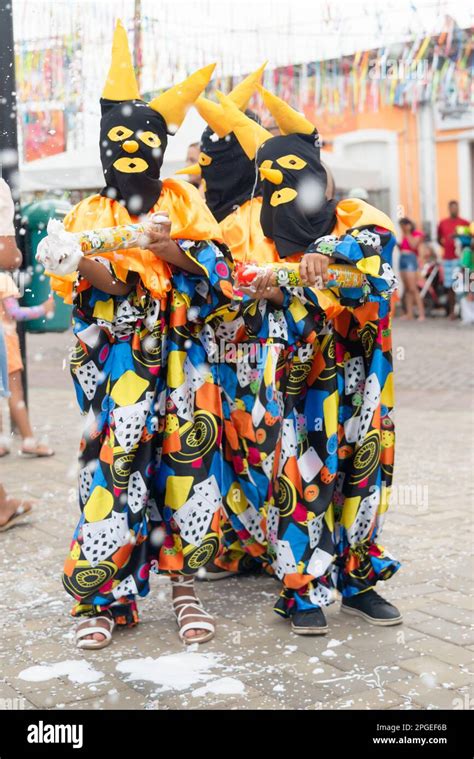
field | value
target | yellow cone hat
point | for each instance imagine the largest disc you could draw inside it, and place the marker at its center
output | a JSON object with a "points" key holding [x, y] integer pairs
{"points": [[174, 103], [243, 91], [288, 120], [249, 134], [213, 113], [121, 83]]}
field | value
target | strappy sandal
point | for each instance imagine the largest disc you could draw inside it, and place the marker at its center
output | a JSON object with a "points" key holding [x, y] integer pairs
{"points": [[91, 643], [22, 510], [32, 449], [190, 606], [4, 446]]}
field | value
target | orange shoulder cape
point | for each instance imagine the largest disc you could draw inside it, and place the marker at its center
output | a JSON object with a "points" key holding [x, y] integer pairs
{"points": [[190, 220], [350, 214], [243, 234]]}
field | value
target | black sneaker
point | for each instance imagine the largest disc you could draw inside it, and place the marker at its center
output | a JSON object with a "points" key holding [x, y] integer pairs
{"points": [[311, 622], [373, 608]]}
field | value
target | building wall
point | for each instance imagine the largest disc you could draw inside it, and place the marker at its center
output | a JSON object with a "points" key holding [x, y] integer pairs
{"points": [[434, 165]]}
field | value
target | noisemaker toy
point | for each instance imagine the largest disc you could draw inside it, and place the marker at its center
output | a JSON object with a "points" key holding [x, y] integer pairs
{"points": [[288, 275]]}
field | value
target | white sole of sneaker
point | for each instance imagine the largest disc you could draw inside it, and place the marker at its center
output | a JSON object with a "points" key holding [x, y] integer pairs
{"points": [[309, 630], [371, 620]]}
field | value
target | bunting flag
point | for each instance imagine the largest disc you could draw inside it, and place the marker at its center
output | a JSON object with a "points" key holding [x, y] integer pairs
{"points": [[436, 69], [427, 69]]}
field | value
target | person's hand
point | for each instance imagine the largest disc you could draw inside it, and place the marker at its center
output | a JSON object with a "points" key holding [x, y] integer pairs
{"points": [[49, 306], [159, 235], [263, 289], [314, 269], [57, 258]]}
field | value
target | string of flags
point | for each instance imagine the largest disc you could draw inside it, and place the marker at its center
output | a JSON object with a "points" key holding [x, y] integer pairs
{"points": [[435, 69]]}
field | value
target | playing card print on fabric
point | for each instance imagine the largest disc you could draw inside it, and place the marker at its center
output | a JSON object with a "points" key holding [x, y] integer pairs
{"points": [[354, 373], [193, 519], [252, 521], [285, 560], [363, 523], [315, 528], [129, 423], [87, 377], [137, 492]]}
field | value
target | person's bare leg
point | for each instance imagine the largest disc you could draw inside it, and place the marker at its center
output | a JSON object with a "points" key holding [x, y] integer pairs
{"points": [[4, 441], [10, 506], [451, 303], [420, 305], [20, 417], [16, 402], [408, 315]]}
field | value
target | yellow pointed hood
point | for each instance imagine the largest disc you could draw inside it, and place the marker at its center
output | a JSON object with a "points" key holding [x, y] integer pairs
{"points": [[174, 103], [121, 83], [213, 113], [248, 132], [288, 120]]}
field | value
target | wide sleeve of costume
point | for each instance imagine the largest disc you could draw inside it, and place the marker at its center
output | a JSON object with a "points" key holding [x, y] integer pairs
{"points": [[369, 249], [213, 289]]}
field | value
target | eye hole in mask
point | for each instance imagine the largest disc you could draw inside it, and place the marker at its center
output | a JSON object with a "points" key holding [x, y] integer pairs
{"points": [[291, 161], [149, 138], [285, 195], [119, 133]]}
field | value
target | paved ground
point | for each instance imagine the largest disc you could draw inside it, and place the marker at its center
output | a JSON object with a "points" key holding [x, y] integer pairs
{"points": [[426, 663]]}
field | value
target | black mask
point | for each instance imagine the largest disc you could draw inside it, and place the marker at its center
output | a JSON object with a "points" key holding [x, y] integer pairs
{"points": [[230, 177], [132, 176], [295, 211]]}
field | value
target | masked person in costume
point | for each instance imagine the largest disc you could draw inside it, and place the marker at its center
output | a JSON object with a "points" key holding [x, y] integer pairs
{"points": [[233, 194], [138, 371], [334, 460]]}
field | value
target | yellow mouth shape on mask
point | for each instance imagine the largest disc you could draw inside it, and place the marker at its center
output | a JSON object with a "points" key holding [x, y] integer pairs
{"points": [[284, 195], [130, 165]]}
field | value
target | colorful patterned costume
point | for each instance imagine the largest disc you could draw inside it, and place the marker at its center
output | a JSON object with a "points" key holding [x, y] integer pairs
{"points": [[232, 194], [330, 394], [124, 357], [137, 362]]}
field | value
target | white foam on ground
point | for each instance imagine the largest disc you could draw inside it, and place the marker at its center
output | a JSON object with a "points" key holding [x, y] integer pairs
{"points": [[77, 671], [334, 642], [225, 685], [171, 672]]}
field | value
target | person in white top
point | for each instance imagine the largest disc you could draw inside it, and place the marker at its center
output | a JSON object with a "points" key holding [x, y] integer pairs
{"points": [[12, 510]]}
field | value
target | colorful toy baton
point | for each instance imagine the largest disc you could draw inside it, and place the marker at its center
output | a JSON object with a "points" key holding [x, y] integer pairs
{"points": [[60, 251], [288, 275]]}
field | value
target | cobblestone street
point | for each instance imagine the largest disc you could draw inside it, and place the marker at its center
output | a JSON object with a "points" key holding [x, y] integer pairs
{"points": [[255, 661]]}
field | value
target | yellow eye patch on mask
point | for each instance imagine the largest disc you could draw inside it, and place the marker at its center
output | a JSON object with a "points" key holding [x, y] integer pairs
{"points": [[118, 133], [204, 160], [291, 161], [285, 195], [149, 138]]}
